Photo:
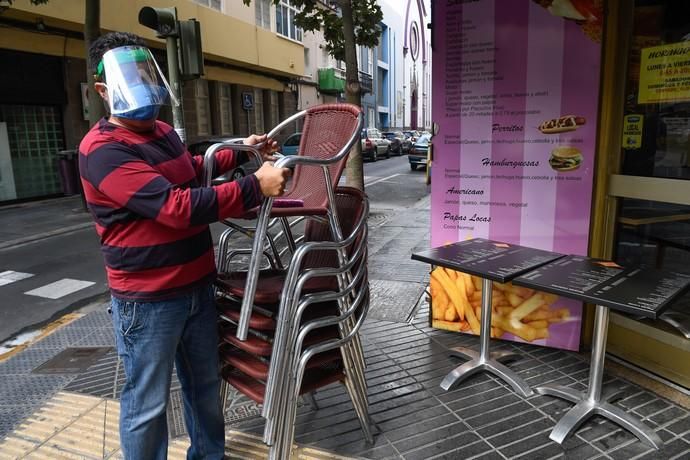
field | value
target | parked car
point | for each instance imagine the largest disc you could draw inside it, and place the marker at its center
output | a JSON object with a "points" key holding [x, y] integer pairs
{"points": [[419, 151], [246, 168], [291, 144], [374, 145], [411, 135], [399, 143]]}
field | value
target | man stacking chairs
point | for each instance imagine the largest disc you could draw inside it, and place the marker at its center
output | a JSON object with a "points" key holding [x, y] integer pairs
{"points": [[290, 331]]}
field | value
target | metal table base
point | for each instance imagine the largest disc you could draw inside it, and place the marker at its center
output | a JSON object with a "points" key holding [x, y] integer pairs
{"points": [[485, 360], [592, 402]]}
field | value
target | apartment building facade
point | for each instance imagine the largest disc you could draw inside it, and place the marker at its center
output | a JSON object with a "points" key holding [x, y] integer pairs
{"points": [[44, 100]]}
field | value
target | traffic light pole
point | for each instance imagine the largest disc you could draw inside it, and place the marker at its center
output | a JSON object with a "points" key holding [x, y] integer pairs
{"points": [[174, 75]]}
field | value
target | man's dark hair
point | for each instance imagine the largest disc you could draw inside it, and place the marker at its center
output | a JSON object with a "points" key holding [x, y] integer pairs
{"points": [[106, 42]]}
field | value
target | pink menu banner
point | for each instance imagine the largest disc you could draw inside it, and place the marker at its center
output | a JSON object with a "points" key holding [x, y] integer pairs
{"points": [[515, 98]]}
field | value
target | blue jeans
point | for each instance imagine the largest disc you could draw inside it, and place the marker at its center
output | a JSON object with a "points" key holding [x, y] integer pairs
{"points": [[151, 336]]}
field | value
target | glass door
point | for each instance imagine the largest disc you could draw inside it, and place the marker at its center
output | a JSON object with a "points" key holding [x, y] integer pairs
{"points": [[650, 184]]}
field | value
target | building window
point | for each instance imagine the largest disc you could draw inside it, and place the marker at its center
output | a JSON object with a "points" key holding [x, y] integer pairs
{"points": [[285, 20], [262, 10], [203, 110], [307, 62], [215, 4], [258, 110], [225, 106]]}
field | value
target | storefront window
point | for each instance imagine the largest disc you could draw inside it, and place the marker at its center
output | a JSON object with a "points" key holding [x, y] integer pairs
{"points": [[656, 133], [653, 220], [35, 137]]}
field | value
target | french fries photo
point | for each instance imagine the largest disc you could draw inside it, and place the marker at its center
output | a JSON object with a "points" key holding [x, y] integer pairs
{"points": [[456, 300]]}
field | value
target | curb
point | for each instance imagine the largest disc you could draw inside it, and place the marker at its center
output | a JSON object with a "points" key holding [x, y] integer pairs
{"points": [[40, 236]]}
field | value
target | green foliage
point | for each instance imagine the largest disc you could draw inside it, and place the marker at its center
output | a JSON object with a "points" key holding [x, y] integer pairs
{"points": [[317, 15], [34, 2]]}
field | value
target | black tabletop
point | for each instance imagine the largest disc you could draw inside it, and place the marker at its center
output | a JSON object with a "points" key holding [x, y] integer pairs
{"points": [[640, 291], [492, 260]]}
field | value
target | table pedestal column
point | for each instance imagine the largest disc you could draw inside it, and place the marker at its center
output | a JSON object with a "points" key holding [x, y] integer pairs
{"points": [[485, 360], [592, 402]]}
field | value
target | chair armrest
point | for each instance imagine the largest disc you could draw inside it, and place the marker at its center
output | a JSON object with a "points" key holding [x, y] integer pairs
{"points": [[235, 144]]}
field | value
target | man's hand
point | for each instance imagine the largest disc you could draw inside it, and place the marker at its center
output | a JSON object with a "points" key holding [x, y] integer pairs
{"points": [[272, 180], [268, 149]]}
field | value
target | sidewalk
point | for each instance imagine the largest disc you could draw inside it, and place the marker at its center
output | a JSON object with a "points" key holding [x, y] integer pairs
{"points": [[25, 222], [70, 411]]}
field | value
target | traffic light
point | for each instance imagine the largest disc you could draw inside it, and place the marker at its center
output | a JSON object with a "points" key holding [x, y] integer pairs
{"points": [[191, 56], [162, 20]]}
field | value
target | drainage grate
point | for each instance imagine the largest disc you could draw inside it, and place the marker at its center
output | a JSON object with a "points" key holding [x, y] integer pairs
{"points": [[72, 360]]}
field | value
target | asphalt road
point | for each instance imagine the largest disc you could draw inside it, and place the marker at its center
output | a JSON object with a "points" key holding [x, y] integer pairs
{"points": [[75, 256]]}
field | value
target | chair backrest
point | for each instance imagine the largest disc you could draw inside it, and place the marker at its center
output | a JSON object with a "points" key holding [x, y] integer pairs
{"points": [[327, 129], [350, 205]]}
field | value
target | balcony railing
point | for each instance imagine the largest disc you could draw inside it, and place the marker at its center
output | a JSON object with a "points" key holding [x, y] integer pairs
{"points": [[366, 82], [332, 81]]}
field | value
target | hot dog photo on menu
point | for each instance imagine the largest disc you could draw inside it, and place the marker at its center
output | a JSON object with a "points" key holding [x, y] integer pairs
{"points": [[588, 14]]}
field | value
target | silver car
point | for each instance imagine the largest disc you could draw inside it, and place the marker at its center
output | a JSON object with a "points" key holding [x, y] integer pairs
{"points": [[374, 145]]}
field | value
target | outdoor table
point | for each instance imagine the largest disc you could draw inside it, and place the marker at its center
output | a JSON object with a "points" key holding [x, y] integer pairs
{"points": [[491, 261], [640, 291]]}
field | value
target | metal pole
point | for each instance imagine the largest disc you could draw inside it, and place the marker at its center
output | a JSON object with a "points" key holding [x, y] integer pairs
{"points": [[596, 372], [174, 75], [485, 332]]}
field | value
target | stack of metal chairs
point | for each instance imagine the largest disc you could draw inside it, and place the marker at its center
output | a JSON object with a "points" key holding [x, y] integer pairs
{"points": [[289, 329]]}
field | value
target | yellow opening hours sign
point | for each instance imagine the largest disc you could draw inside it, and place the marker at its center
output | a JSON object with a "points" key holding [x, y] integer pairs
{"points": [[665, 73]]}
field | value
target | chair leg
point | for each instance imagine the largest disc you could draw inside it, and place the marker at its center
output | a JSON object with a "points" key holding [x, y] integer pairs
{"points": [[361, 410]]}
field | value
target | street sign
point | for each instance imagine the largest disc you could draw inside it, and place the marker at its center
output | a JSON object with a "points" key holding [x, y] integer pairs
{"points": [[247, 101]]}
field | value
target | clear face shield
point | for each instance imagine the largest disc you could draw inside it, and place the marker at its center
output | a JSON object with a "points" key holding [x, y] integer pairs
{"points": [[136, 86]]}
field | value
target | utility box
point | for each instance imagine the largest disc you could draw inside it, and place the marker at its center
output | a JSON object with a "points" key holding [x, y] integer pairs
{"points": [[68, 169]]}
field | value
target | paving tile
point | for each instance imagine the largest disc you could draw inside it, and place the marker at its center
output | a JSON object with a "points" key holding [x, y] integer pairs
{"points": [[393, 392], [477, 394], [681, 426], [376, 373], [412, 417], [443, 363], [481, 404], [654, 406], [614, 440], [670, 415], [552, 450], [383, 452], [468, 390], [428, 437], [333, 442], [631, 450], [582, 451], [636, 400], [487, 417], [510, 421], [676, 448], [422, 426], [463, 445], [388, 385], [400, 406], [528, 444], [306, 423], [328, 428], [556, 409]]}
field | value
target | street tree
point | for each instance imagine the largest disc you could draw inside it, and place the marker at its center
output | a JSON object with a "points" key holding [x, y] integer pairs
{"points": [[345, 24]]}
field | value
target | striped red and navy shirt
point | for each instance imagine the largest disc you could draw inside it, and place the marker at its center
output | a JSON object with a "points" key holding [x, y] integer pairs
{"points": [[152, 216]]}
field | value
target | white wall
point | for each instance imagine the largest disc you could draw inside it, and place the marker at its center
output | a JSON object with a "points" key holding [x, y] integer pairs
{"points": [[394, 12]]}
